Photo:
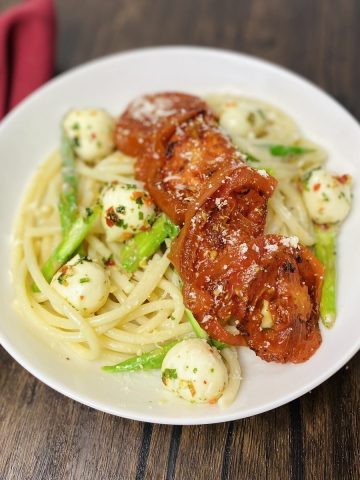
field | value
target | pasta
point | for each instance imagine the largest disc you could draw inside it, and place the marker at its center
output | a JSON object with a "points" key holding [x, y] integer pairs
{"points": [[143, 308], [128, 324]]}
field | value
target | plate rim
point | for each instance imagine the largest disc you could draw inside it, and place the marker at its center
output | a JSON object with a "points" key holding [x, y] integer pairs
{"points": [[147, 416]]}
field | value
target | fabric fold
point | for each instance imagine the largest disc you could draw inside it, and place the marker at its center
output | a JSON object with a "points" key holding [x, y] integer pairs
{"points": [[27, 50]]}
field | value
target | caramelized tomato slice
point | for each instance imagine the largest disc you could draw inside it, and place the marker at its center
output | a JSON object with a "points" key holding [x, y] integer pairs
{"points": [[138, 126], [185, 161], [271, 290], [230, 209], [253, 282]]}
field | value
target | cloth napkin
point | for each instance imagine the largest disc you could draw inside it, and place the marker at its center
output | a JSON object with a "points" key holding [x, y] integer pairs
{"points": [[27, 50]]}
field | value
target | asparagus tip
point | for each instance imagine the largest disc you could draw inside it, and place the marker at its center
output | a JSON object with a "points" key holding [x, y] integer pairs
{"points": [[328, 320]]}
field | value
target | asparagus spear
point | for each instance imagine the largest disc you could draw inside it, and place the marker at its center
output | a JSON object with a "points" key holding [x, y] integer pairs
{"points": [[325, 250], [145, 244], [285, 150], [200, 333], [146, 361], [153, 360], [69, 244], [68, 208]]}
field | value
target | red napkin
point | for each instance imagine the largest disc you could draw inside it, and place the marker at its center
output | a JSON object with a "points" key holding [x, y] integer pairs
{"points": [[27, 48]]}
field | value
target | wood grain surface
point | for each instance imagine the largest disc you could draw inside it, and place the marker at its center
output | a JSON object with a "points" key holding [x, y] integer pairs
{"points": [[46, 436]]}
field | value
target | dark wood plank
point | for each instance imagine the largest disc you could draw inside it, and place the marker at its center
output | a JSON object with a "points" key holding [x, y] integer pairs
{"points": [[330, 426], [44, 435]]}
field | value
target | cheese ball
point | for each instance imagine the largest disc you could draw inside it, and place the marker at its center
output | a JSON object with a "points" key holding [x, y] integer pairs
{"points": [[242, 120], [327, 197], [83, 283], [195, 371], [127, 209], [92, 133]]}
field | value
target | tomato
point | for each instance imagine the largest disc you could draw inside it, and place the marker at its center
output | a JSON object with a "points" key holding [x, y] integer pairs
{"points": [[244, 287], [231, 208], [138, 127], [234, 286]]}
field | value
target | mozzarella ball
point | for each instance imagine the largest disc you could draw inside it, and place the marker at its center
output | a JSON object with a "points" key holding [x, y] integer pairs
{"points": [[83, 283], [127, 209], [195, 371], [327, 198], [242, 120], [92, 132]]}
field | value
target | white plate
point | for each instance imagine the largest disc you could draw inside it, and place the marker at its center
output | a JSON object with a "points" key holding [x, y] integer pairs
{"points": [[31, 131]]}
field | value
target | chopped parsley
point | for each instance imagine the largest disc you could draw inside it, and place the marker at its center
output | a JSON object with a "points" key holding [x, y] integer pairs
{"points": [[75, 126], [83, 258], [76, 141], [84, 280], [120, 209], [121, 224], [89, 211], [169, 373], [63, 279], [306, 177], [141, 215]]}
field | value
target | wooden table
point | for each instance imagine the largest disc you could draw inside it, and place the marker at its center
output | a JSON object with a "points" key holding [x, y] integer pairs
{"points": [[44, 435]]}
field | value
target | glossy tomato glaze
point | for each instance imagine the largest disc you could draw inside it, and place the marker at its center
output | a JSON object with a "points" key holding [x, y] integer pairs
{"points": [[229, 268]]}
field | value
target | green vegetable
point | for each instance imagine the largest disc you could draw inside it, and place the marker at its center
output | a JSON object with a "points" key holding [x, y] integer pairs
{"points": [[325, 251], [146, 361], [251, 158], [169, 373], [145, 244], [69, 244], [284, 150], [200, 333], [68, 208]]}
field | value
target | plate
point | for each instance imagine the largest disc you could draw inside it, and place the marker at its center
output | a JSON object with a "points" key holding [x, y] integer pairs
{"points": [[30, 133]]}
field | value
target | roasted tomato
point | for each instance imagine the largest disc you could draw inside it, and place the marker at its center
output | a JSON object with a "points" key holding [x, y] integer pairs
{"points": [[278, 284], [269, 288], [147, 115], [244, 287], [230, 209], [179, 147], [186, 161]]}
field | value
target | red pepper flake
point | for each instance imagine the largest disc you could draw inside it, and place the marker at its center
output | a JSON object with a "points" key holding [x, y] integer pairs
{"points": [[343, 178], [110, 262], [316, 187], [93, 135], [64, 268], [82, 297], [111, 217]]}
